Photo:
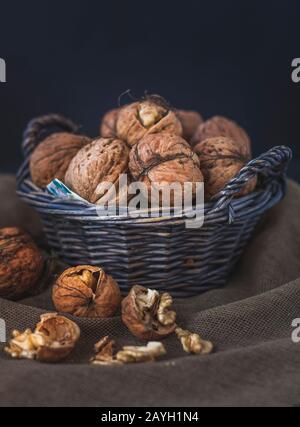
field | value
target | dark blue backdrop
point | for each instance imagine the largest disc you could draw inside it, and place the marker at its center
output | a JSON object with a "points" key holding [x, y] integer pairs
{"points": [[220, 57]]}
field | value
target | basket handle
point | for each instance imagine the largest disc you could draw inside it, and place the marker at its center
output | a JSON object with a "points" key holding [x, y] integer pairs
{"points": [[37, 126], [273, 163]]}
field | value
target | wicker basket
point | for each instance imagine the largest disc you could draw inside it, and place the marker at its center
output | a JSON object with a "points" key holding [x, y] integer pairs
{"points": [[161, 253]]}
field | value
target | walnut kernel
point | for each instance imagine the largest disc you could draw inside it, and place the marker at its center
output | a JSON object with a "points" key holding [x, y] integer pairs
{"points": [[137, 354], [147, 313], [193, 343]]}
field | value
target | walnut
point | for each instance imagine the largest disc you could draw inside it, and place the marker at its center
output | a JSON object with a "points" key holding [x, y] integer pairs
{"points": [[86, 291], [146, 313], [53, 340], [52, 156], [105, 353], [192, 343], [190, 120], [221, 159], [104, 350], [108, 123], [221, 126], [149, 116], [101, 161], [163, 159], [137, 354], [21, 263]]}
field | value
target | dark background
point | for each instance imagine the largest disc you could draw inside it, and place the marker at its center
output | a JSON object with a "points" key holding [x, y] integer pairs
{"points": [[220, 57]]}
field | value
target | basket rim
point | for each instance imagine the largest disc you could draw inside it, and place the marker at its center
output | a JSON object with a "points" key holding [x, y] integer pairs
{"points": [[270, 167], [257, 202]]}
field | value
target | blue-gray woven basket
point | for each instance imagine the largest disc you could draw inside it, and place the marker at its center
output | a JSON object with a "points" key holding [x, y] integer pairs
{"points": [[161, 254]]}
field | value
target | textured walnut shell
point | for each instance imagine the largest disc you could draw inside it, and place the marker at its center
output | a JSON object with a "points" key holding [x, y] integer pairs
{"points": [[53, 339], [61, 336], [221, 159], [108, 124], [101, 161], [52, 157], [190, 121], [21, 263], [164, 159], [143, 323], [221, 126], [144, 118], [86, 291]]}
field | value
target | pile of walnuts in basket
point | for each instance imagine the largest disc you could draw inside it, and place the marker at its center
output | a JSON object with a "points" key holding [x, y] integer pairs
{"points": [[151, 143]]}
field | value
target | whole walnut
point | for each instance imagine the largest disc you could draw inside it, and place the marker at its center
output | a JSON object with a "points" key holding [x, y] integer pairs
{"points": [[147, 314], [21, 263], [162, 159], [149, 116], [221, 159], [86, 291], [221, 126], [101, 161], [190, 120], [52, 156], [108, 123]]}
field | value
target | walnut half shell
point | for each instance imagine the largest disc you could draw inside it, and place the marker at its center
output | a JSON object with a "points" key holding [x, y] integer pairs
{"points": [[53, 340], [86, 291], [147, 313]]}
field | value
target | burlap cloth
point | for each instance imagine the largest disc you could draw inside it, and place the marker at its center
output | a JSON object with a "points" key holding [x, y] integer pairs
{"points": [[249, 320]]}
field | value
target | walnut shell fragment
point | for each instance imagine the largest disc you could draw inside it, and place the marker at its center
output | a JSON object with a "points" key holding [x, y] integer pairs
{"points": [[221, 159], [53, 340], [147, 314], [163, 159], [21, 263], [52, 157], [190, 121], [193, 343], [86, 291], [221, 126], [104, 352], [109, 123], [100, 162], [149, 116]]}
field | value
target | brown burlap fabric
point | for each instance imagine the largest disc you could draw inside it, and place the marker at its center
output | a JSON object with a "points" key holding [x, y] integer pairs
{"points": [[249, 320]]}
